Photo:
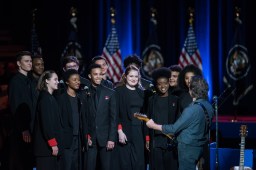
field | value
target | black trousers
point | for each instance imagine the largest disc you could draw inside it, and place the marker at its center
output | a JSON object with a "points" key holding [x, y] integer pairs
{"points": [[104, 158], [71, 158], [163, 159], [20, 153], [49, 163]]}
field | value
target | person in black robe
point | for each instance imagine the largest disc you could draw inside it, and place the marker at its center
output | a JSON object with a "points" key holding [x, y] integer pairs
{"points": [[47, 133], [130, 99], [20, 101], [184, 80], [74, 122], [163, 108]]}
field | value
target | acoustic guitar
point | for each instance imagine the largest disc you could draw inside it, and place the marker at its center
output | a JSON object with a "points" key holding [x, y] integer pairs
{"points": [[144, 117], [243, 134]]}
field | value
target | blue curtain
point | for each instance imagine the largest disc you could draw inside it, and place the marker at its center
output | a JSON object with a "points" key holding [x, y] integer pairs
{"points": [[213, 25]]}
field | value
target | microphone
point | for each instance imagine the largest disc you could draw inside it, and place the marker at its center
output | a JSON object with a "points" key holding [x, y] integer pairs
{"points": [[152, 88], [215, 98], [86, 89]]}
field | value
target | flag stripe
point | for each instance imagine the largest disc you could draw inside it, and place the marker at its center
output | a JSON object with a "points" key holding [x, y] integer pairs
{"points": [[112, 53], [190, 53], [114, 69]]}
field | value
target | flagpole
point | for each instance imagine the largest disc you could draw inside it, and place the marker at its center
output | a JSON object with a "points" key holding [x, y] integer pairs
{"points": [[215, 99]]}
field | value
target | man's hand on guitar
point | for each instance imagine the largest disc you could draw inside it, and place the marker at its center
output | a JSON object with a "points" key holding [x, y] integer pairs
{"points": [[122, 137], [150, 124]]}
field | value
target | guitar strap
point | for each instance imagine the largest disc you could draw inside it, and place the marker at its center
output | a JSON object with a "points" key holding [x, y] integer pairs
{"points": [[205, 113]]}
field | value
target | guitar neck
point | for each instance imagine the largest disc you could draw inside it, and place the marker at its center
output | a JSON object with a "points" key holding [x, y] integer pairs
{"points": [[242, 146]]}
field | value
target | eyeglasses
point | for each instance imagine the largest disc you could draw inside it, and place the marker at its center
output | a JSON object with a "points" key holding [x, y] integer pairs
{"points": [[72, 67]]}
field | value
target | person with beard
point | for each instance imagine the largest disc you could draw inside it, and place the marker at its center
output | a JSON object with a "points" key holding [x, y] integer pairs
{"points": [[20, 101], [74, 122], [102, 121], [47, 132], [163, 108], [192, 127]]}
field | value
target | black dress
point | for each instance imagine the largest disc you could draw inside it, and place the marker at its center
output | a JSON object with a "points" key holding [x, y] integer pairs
{"points": [[131, 155]]}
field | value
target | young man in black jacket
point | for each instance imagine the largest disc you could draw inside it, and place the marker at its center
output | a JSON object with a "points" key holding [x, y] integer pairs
{"points": [[20, 100], [102, 121], [74, 122]]}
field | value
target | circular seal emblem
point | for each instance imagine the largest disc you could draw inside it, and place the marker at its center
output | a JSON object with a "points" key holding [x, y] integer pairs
{"points": [[152, 59], [237, 63]]}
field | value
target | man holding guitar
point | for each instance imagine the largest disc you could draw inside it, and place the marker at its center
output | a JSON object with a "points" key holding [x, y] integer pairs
{"points": [[192, 127]]}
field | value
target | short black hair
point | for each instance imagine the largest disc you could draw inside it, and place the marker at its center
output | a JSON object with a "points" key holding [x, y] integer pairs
{"points": [[98, 57], [37, 56], [67, 74], [162, 72], [69, 59], [176, 68], [93, 66], [21, 54], [132, 59]]}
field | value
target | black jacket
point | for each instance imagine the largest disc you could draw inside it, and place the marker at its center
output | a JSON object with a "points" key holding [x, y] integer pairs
{"points": [[20, 100], [102, 116], [47, 125], [67, 119], [152, 111]]}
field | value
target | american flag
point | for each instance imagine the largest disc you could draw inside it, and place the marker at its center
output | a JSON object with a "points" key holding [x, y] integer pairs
{"points": [[112, 53], [190, 53]]}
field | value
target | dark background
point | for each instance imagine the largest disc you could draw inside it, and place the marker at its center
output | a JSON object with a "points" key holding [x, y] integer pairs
{"points": [[214, 27]]}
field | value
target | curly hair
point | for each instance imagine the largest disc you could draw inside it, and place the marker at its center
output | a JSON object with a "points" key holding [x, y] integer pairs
{"points": [[199, 87], [159, 73], [189, 68], [67, 74], [132, 59]]}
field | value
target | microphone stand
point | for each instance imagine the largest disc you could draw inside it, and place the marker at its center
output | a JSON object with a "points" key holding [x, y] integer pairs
{"points": [[215, 98]]}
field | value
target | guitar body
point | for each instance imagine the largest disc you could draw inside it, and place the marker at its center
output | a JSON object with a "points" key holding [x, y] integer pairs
{"points": [[243, 134], [144, 117]]}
